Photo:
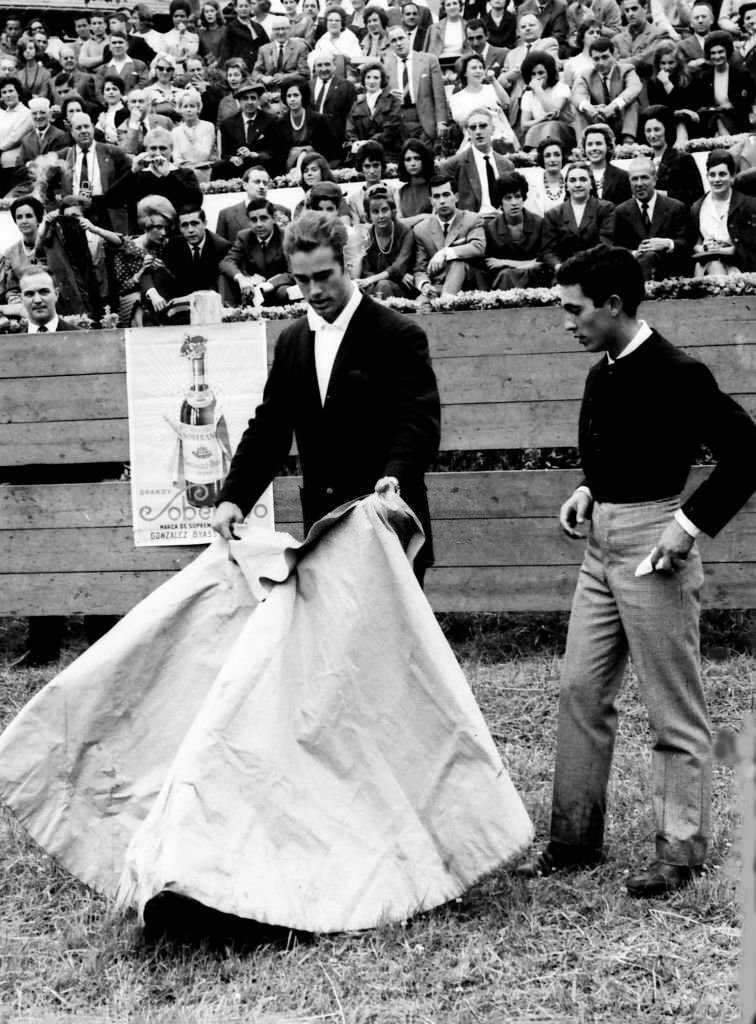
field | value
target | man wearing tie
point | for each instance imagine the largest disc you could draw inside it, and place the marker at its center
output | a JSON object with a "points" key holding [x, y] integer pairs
{"points": [[608, 94], [446, 242], [334, 97], [416, 78], [255, 268], [42, 138], [659, 230], [284, 56], [246, 138], [477, 168], [352, 382], [94, 169]]}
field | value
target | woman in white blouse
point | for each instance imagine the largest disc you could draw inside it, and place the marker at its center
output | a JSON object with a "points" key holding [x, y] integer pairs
{"points": [[481, 89], [15, 122], [338, 41], [545, 108], [115, 112], [447, 38], [194, 141]]}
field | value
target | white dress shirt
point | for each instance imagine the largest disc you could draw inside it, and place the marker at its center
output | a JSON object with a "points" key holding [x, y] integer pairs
{"points": [[400, 72], [50, 327], [328, 338], [486, 205], [93, 171]]}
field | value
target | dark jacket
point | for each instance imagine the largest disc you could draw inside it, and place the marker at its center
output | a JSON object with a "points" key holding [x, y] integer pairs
{"points": [[186, 278], [381, 417], [741, 92], [671, 220], [501, 246], [679, 177], [384, 125], [340, 99], [247, 256], [562, 237], [616, 186], [238, 41], [463, 169], [741, 225], [233, 136], [318, 136]]}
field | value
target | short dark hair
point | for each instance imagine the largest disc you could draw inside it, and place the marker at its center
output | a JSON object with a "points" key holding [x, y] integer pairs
{"points": [[32, 201], [589, 23], [665, 116], [72, 97], [341, 13], [382, 16], [475, 24], [599, 128], [372, 150], [320, 160], [115, 80], [509, 184], [190, 208], [442, 179], [426, 159], [603, 271], [464, 62], [602, 45], [258, 203], [296, 82], [718, 38], [312, 230], [544, 144], [254, 167], [11, 80], [327, 190], [531, 62], [715, 157], [374, 65]]}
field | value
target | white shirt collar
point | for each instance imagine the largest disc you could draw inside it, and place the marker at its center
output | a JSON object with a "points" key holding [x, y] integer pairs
{"points": [[51, 325], [316, 322], [651, 205], [643, 332]]}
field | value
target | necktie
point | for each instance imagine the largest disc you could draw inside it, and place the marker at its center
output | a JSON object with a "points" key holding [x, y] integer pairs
{"points": [[84, 173], [249, 134], [527, 48], [406, 97], [195, 256], [491, 175], [605, 89], [279, 63], [646, 219], [42, 329]]}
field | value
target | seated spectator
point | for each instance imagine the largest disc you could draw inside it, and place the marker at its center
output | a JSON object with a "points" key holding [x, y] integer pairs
{"points": [[669, 86], [658, 230], [514, 239], [549, 192], [545, 108], [677, 173], [327, 197], [242, 36], [476, 41], [194, 140], [313, 168], [605, 14], [691, 47], [338, 42], [725, 222], [140, 121], [374, 43], [191, 263], [71, 79], [476, 168], [133, 73], [610, 183], [446, 39], [721, 92], [115, 113], [371, 164], [92, 50], [301, 25], [530, 36], [377, 116], [11, 34], [728, 17], [15, 123], [637, 42], [582, 63], [143, 29], [235, 73], [131, 258], [246, 138], [608, 94], [197, 77], [389, 257], [180, 42], [332, 95], [211, 29], [256, 265], [447, 242], [481, 90], [27, 213], [32, 75], [581, 221], [416, 20], [162, 91], [43, 137], [233, 219], [501, 23], [154, 174], [48, 46], [283, 57], [416, 168], [299, 128]]}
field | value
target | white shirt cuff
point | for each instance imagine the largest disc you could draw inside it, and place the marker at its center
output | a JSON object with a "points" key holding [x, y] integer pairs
{"points": [[586, 488], [682, 520]]}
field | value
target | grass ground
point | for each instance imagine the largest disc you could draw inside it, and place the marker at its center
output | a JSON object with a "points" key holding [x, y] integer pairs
{"points": [[566, 949]]}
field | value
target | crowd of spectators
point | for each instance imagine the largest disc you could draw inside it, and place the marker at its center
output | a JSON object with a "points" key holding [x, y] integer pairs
{"points": [[110, 128]]}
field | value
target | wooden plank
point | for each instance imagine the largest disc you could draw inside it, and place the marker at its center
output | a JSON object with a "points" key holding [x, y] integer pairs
{"points": [[91, 396], [51, 355], [503, 494], [540, 588], [52, 444]]}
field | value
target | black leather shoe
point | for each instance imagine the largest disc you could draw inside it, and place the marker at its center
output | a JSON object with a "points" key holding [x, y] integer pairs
{"points": [[661, 879], [557, 858]]}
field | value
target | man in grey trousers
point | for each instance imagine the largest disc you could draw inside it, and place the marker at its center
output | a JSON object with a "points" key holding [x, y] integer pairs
{"points": [[646, 409]]}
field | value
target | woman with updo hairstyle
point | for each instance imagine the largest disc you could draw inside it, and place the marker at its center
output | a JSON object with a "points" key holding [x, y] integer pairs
{"points": [[299, 127], [27, 213], [480, 91], [15, 122], [721, 92], [610, 182], [676, 173], [377, 115], [580, 222], [338, 42], [416, 168], [115, 112], [235, 72], [545, 108], [389, 257], [194, 140], [547, 189], [374, 43]]}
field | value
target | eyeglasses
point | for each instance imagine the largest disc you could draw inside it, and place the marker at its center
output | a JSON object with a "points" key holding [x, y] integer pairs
{"points": [[478, 127], [162, 67]]}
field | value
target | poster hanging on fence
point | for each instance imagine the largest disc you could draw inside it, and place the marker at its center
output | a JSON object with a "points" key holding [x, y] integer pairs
{"points": [[191, 391]]}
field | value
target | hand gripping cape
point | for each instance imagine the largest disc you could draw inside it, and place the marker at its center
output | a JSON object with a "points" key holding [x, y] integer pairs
{"points": [[280, 732]]}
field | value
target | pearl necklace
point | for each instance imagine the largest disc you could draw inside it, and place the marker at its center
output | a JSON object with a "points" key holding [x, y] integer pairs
{"points": [[391, 241], [294, 125]]}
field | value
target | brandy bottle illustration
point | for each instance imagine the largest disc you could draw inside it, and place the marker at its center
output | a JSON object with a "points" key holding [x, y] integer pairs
{"points": [[199, 424]]}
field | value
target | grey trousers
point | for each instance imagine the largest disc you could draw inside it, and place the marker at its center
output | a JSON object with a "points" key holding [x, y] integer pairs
{"points": [[655, 619]]}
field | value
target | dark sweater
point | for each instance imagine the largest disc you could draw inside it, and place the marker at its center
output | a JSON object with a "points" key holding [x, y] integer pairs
{"points": [[642, 423]]}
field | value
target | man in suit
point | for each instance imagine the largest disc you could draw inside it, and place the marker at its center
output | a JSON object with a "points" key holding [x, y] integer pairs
{"points": [[233, 219], [639, 40], [608, 94], [192, 260], [647, 409], [70, 78], [416, 21], [552, 15], [476, 41], [331, 96], [657, 230], [501, 24], [448, 241], [134, 73], [96, 171], [352, 382], [691, 47], [246, 138], [43, 138], [477, 168], [256, 267], [284, 56], [417, 79]]}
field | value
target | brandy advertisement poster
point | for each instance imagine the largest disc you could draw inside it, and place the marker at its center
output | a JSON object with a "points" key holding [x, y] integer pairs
{"points": [[191, 391]]}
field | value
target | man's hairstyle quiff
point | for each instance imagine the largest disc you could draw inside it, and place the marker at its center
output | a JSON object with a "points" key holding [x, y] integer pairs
{"points": [[313, 230], [603, 271]]}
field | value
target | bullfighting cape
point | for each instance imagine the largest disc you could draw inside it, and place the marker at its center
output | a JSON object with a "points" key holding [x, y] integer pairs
{"points": [[280, 732]]}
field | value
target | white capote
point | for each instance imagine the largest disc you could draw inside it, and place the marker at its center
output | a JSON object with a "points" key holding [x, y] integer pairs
{"points": [[280, 732]]}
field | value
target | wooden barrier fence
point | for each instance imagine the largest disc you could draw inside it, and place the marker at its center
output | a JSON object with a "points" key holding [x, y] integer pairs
{"points": [[508, 379]]}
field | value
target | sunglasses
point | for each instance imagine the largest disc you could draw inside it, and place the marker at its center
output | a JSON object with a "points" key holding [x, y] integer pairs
{"points": [[162, 67]]}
